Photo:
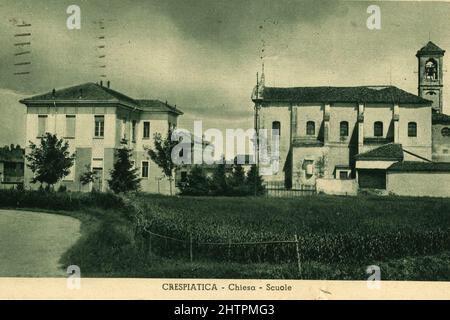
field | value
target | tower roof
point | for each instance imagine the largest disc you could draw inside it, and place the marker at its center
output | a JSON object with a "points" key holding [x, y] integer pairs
{"points": [[430, 48]]}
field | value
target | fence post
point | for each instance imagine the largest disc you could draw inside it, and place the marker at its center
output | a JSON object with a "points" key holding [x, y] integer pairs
{"points": [[191, 253], [149, 253], [297, 249]]}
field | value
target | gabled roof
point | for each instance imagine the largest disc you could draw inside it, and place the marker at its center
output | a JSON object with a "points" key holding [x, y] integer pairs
{"points": [[362, 94], [440, 118], [157, 106], [430, 48], [387, 152], [83, 92], [420, 166]]}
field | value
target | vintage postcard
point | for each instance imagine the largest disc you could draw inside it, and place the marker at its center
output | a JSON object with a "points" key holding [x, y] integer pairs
{"points": [[212, 149]]}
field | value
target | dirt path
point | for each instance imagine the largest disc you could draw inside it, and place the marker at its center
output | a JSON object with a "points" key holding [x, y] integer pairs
{"points": [[32, 243]]}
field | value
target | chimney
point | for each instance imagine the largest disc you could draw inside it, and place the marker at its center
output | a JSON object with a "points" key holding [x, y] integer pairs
{"points": [[108, 84], [53, 93], [101, 83]]}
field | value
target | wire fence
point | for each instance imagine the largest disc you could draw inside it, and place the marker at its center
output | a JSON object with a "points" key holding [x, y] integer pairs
{"points": [[193, 249]]}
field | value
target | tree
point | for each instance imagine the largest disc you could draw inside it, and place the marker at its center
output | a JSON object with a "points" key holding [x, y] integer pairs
{"points": [[219, 184], [88, 176], [236, 182], [162, 155], [254, 181], [50, 161], [196, 184], [124, 177]]}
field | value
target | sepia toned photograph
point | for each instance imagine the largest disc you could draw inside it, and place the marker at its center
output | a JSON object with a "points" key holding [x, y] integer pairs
{"points": [[264, 140]]}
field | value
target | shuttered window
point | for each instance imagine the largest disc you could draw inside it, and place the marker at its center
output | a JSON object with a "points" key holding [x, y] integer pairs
{"points": [[70, 126], [42, 125]]}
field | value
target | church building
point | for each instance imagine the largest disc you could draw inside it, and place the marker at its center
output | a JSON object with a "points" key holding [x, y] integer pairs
{"points": [[344, 139]]}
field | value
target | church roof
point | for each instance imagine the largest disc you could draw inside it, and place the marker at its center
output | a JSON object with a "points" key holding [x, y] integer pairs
{"points": [[440, 118], [387, 152], [430, 48], [361, 94], [411, 166], [92, 92]]}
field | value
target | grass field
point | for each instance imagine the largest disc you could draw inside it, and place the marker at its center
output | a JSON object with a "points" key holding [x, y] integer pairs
{"points": [[409, 238]]}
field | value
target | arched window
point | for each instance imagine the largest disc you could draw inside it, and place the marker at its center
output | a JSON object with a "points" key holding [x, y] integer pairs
{"points": [[276, 129], [445, 132], [378, 129], [343, 129], [310, 128], [412, 129], [431, 69]]}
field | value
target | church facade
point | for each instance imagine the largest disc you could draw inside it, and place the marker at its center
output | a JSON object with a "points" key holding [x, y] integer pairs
{"points": [[351, 137]]}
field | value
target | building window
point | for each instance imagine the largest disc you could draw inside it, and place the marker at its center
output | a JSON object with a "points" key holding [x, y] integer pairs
{"points": [[123, 129], [431, 69], [310, 128], [412, 129], [144, 169], [343, 175], [378, 129], [133, 131], [146, 134], [445, 132], [42, 125], [99, 126], [276, 129], [344, 129], [70, 126]]}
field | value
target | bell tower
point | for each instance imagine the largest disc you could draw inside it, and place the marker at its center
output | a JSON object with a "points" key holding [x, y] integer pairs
{"points": [[431, 74]]}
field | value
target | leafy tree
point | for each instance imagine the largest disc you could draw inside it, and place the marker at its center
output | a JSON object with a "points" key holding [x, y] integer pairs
{"points": [[123, 177], [162, 155], [88, 176], [219, 184], [254, 182], [196, 184], [50, 161]]}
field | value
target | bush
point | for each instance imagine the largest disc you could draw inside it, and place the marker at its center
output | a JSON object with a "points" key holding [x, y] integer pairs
{"points": [[222, 182], [69, 201], [197, 183]]}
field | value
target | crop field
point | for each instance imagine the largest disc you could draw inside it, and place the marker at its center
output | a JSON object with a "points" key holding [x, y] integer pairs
{"points": [[329, 229]]}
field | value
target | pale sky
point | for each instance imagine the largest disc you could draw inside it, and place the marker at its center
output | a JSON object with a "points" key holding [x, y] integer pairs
{"points": [[203, 55]]}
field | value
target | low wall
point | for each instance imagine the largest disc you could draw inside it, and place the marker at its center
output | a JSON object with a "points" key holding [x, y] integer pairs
{"points": [[419, 184], [337, 187]]}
